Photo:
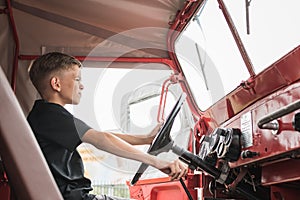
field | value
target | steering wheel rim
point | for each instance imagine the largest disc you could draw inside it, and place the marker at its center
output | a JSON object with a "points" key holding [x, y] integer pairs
{"points": [[163, 141]]}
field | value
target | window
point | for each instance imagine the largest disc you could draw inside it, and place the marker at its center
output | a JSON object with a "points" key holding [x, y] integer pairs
{"points": [[113, 98], [141, 113], [209, 57], [273, 28]]}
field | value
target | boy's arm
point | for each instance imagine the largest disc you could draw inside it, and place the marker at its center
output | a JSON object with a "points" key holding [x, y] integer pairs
{"points": [[140, 139], [111, 143]]}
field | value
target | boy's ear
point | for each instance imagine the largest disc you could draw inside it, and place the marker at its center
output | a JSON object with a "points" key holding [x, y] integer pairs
{"points": [[55, 84]]}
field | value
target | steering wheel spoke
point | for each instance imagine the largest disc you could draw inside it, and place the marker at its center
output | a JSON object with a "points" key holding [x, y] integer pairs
{"points": [[163, 141]]}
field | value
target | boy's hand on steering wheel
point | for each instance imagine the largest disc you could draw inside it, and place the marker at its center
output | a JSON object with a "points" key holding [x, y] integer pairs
{"points": [[175, 169], [150, 136]]}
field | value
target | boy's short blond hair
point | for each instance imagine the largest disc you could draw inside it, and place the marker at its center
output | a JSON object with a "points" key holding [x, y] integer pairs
{"points": [[47, 65]]}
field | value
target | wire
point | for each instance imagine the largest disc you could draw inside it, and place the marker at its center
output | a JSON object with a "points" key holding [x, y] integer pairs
{"points": [[186, 189]]}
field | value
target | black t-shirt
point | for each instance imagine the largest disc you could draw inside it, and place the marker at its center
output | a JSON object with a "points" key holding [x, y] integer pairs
{"points": [[59, 133]]}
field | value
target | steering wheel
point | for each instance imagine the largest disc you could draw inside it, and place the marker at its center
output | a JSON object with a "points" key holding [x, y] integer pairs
{"points": [[163, 141]]}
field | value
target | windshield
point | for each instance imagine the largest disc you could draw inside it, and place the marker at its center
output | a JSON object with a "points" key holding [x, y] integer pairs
{"points": [[273, 28], [209, 56]]}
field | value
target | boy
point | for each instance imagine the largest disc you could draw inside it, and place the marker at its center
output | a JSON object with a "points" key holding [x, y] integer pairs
{"points": [[57, 78]]}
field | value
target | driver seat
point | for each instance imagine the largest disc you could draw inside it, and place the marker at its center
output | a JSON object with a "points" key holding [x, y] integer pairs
{"points": [[25, 165]]}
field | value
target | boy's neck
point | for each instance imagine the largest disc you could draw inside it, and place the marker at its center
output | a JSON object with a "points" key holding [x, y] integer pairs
{"points": [[54, 100]]}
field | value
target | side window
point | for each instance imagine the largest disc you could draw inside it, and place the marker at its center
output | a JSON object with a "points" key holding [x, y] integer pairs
{"points": [[123, 100], [145, 102]]}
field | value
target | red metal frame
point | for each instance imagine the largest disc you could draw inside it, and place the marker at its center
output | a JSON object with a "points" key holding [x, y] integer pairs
{"points": [[5, 191], [165, 61], [17, 45], [176, 28], [237, 38], [162, 102]]}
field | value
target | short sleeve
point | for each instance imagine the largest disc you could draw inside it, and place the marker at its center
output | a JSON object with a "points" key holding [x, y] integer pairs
{"points": [[81, 127], [57, 125]]}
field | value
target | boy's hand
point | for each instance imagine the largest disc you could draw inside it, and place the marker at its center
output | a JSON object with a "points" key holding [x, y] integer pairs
{"points": [[150, 137], [175, 169]]}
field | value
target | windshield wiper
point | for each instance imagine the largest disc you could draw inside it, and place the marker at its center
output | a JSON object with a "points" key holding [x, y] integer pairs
{"points": [[202, 65], [247, 4]]}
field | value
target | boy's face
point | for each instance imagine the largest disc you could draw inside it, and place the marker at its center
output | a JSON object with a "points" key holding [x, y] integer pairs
{"points": [[71, 86]]}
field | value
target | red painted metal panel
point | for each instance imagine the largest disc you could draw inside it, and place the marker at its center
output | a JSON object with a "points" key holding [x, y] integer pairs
{"points": [[280, 193], [279, 75], [4, 186], [268, 145], [161, 189], [169, 191], [284, 171]]}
